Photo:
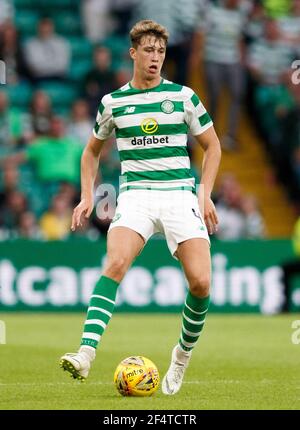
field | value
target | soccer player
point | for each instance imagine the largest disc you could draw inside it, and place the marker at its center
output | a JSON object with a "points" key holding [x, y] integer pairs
{"points": [[151, 118]]}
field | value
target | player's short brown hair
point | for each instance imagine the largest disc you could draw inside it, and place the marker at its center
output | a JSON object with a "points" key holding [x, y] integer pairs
{"points": [[147, 27]]}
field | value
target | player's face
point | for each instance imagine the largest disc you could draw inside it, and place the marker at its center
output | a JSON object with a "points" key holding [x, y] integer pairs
{"points": [[149, 57]]}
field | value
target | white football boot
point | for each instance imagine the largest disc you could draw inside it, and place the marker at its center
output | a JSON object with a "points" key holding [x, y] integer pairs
{"points": [[173, 378], [78, 364]]}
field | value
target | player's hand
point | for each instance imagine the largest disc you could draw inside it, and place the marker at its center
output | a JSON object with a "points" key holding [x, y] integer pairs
{"points": [[210, 216], [84, 208]]}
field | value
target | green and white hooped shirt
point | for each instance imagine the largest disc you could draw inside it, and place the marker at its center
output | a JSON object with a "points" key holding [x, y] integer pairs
{"points": [[151, 128]]}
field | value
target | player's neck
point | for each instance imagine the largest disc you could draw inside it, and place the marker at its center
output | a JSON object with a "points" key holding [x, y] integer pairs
{"points": [[143, 84]]}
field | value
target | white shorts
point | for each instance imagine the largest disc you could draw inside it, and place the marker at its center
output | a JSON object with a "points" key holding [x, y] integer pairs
{"points": [[174, 213]]}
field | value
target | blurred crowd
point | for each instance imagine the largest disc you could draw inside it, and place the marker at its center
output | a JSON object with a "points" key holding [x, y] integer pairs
{"points": [[62, 56]]}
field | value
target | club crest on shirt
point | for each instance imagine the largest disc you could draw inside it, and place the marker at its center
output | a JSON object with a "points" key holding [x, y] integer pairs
{"points": [[167, 106]]}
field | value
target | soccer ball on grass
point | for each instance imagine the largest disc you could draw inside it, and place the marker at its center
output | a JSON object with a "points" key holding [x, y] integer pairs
{"points": [[136, 376]]}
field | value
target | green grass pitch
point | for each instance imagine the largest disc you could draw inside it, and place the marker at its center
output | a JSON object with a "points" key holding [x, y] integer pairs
{"points": [[241, 362]]}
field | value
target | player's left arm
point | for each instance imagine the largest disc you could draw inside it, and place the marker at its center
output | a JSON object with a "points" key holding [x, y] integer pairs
{"points": [[212, 156]]}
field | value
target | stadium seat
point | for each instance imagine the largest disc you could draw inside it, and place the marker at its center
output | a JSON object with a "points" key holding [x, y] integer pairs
{"points": [[24, 4], [26, 21], [38, 195], [61, 94], [118, 65], [62, 4], [19, 95], [81, 48], [117, 45], [80, 68], [67, 23]]}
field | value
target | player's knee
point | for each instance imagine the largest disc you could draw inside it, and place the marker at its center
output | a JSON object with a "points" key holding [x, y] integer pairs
{"points": [[116, 267], [200, 286]]}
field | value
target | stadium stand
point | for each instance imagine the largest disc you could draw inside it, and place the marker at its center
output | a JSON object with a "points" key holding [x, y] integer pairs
{"points": [[267, 171]]}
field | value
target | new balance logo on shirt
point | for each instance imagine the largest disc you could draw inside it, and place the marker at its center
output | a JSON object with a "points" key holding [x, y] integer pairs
{"points": [[129, 109]]}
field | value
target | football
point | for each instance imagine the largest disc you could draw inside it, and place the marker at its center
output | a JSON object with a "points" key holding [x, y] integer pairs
{"points": [[136, 376]]}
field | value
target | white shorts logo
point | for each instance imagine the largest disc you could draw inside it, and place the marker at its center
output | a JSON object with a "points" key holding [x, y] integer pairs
{"points": [[197, 215]]}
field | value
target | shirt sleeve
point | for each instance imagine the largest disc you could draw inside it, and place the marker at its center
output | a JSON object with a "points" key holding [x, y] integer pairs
{"points": [[104, 121], [196, 116]]}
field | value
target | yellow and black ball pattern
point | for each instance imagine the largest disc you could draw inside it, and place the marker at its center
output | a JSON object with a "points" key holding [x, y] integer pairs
{"points": [[136, 376]]}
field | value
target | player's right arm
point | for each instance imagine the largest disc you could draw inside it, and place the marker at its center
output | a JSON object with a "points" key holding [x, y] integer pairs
{"points": [[89, 169], [90, 160]]}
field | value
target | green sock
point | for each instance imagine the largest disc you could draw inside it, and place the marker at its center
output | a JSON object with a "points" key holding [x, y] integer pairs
{"points": [[100, 310], [193, 318]]}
